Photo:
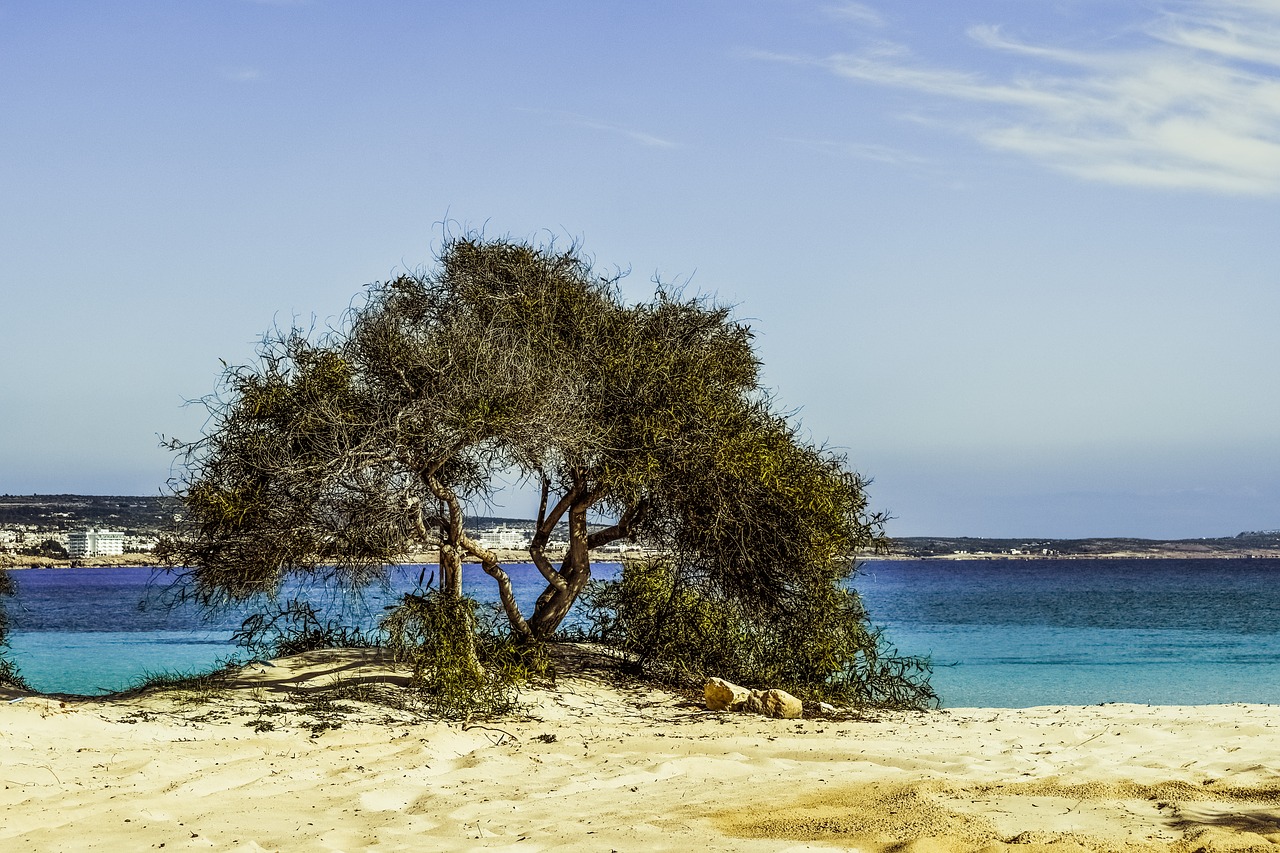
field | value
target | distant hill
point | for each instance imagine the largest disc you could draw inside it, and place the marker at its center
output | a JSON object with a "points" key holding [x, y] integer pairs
{"points": [[143, 515], [134, 514], [130, 513], [1247, 544]]}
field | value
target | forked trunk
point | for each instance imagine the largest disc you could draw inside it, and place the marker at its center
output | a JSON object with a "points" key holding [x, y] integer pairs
{"points": [[554, 603]]}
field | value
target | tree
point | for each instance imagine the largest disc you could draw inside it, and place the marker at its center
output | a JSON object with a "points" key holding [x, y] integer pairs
{"points": [[47, 548], [334, 457], [8, 672]]}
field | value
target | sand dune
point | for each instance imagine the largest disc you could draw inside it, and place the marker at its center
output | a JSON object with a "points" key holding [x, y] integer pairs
{"points": [[277, 760]]}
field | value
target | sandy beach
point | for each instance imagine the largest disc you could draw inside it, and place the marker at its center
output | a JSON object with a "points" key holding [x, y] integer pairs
{"points": [[312, 753]]}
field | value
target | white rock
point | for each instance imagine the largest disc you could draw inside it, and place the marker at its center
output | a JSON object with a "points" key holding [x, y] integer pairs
{"points": [[723, 695], [781, 704]]}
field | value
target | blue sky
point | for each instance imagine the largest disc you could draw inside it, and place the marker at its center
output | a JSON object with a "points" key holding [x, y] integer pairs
{"points": [[1017, 259]]}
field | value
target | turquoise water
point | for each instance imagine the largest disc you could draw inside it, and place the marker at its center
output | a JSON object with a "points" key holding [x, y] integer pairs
{"points": [[1073, 632], [91, 662], [1001, 633], [90, 631]]}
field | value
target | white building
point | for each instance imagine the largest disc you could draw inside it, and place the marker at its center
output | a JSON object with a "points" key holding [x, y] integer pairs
{"points": [[95, 543], [506, 537]]}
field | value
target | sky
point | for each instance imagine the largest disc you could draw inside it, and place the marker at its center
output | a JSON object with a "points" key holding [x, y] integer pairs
{"points": [[1016, 259]]}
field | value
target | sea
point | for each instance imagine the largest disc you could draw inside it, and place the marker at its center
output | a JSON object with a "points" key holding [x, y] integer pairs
{"points": [[999, 633]]}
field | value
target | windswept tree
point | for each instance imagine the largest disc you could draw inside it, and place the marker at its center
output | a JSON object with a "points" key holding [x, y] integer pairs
{"points": [[335, 457]]}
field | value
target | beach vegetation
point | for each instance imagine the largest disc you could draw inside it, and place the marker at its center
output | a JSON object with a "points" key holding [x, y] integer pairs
{"points": [[338, 454], [677, 629], [9, 675], [464, 663], [293, 626], [194, 686]]}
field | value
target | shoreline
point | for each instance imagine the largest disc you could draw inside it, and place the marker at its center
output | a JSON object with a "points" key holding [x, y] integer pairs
{"points": [[598, 762], [9, 562], [1110, 555]]}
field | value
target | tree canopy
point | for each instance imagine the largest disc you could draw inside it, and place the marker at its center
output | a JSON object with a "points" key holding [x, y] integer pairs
{"points": [[337, 455]]}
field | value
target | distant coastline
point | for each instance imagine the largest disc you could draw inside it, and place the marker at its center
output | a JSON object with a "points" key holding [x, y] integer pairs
{"points": [[17, 562], [21, 561], [27, 520], [1247, 545], [14, 562], [1153, 554]]}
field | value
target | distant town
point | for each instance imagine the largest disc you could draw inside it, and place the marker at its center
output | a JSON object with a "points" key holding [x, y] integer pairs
{"points": [[56, 529], [80, 529], [1247, 544]]}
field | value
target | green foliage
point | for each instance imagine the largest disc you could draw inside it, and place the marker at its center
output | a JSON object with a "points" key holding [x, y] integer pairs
{"points": [[294, 627], [267, 495], [463, 667], [9, 675], [336, 455], [51, 548], [760, 515], [820, 647], [197, 685]]}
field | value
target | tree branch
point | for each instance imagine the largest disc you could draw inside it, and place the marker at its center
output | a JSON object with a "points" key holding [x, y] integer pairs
{"points": [[542, 504], [547, 524], [633, 516]]}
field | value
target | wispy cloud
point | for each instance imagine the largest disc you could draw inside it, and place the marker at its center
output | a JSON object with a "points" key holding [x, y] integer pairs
{"points": [[648, 140], [858, 13], [1194, 103], [1227, 28], [638, 136], [862, 151], [240, 75]]}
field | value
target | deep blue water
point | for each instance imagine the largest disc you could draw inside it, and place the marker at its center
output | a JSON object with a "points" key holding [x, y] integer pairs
{"points": [[1001, 633]]}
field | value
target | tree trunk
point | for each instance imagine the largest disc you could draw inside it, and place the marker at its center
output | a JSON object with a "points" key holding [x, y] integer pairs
{"points": [[455, 608], [575, 572], [450, 571], [554, 603]]}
